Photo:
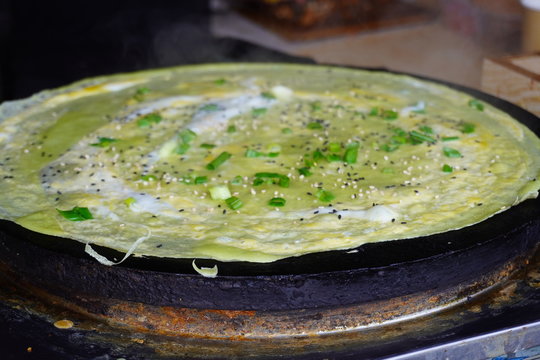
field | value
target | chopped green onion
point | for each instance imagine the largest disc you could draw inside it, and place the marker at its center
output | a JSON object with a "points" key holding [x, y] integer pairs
{"points": [[148, 120], [467, 128], [384, 113], [231, 129], [250, 153], [450, 138], [451, 153], [351, 153], [476, 104], [334, 147], [237, 180], [324, 195], [399, 140], [268, 95], [447, 168], [129, 201], [316, 106], [390, 115], [209, 107], [333, 157], [390, 147], [272, 178], [418, 137], [220, 192], [272, 154], [182, 148], [187, 135], [148, 178], [220, 82], [286, 131], [140, 93], [234, 203], [304, 171], [400, 132], [258, 111], [201, 179], [318, 155], [76, 214], [314, 125], [277, 201], [104, 142], [214, 164], [207, 146], [387, 171], [426, 129]]}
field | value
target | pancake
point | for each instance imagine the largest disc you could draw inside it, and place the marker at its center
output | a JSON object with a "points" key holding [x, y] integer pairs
{"points": [[258, 162]]}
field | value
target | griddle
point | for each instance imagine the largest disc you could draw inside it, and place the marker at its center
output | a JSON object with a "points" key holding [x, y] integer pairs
{"points": [[315, 293], [369, 273]]}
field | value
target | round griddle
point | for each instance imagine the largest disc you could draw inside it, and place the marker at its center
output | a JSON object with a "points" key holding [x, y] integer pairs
{"points": [[326, 280]]}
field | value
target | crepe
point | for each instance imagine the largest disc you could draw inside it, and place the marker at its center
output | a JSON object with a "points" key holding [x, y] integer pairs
{"points": [[258, 162]]}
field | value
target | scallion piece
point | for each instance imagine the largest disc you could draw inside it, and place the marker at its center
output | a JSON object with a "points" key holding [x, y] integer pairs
{"points": [[316, 106], [182, 148], [450, 138], [237, 180], [268, 95], [467, 128], [304, 171], [390, 147], [351, 153], [426, 129], [272, 178], [231, 129], [209, 107], [220, 82], [318, 155], [447, 168], [234, 203], [390, 115], [334, 147], [314, 125], [418, 137], [451, 153], [324, 195], [214, 164], [187, 135], [200, 180], [333, 157], [277, 202], [76, 214], [272, 154], [286, 131], [387, 171], [207, 146], [149, 120], [104, 142], [250, 153], [258, 111], [140, 93], [476, 104], [220, 192]]}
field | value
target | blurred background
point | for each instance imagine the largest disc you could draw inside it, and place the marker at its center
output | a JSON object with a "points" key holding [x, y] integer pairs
{"points": [[479, 43]]}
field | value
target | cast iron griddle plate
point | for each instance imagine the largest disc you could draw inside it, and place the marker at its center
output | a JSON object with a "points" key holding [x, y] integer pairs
{"points": [[372, 272]]}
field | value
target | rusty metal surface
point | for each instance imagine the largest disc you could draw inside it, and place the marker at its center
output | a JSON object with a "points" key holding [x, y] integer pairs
{"points": [[511, 300]]}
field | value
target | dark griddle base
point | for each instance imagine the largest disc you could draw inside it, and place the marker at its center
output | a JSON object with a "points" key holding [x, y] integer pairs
{"points": [[25, 322]]}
